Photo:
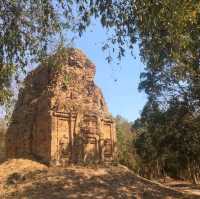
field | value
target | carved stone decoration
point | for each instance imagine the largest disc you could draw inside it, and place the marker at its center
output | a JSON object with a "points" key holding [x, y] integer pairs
{"points": [[61, 116]]}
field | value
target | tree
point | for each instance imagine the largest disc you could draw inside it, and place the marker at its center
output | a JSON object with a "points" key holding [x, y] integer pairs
{"points": [[170, 48], [125, 147], [27, 27], [168, 141], [149, 131], [168, 37]]}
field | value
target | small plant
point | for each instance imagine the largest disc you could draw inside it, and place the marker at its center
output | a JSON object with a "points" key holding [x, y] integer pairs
{"points": [[88, 63], [58, 58], [66, 81]]}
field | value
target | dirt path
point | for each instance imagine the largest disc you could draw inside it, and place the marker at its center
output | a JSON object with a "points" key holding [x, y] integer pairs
{"points": [[79, 182], [184, 186]]}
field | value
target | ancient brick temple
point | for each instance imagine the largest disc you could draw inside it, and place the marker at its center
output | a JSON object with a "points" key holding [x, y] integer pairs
{"points": [[61, 115]]}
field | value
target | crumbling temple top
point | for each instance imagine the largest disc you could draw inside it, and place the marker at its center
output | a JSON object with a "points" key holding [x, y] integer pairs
{"points": [[61, 115]]}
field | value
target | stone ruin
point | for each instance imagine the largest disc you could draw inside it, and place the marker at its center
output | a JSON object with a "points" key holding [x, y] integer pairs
{"points": [[3, 127], [61, 116]]}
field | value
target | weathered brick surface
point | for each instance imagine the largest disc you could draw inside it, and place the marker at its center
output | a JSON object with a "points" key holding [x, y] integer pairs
{"points": [[61, 115], [2, 140]]}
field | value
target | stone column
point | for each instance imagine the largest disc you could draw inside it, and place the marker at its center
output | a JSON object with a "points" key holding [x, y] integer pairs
{"points": [[54, 139], [101, 140]]}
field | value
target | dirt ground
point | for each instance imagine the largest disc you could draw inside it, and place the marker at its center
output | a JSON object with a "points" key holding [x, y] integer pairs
{"points": [[25, 179], [183, 186]]}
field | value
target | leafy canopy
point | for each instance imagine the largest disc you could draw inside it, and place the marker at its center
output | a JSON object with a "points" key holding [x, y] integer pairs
{"points": [[167, 32]]}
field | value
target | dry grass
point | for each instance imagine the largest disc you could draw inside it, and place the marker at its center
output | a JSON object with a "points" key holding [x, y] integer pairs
{"points": [[25, 179]]}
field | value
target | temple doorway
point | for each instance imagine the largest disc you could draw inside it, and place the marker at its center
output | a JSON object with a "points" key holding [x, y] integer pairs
{"points": [[64, 140]]}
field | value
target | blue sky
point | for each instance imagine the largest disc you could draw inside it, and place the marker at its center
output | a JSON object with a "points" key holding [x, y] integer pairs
{"points": [[119, 83], [122, 96]]}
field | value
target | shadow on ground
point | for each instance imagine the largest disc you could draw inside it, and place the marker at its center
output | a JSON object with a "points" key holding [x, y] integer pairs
{"points": [[87, 183]]}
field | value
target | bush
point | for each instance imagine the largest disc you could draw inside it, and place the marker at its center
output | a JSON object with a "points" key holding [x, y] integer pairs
{"points": [[125, 139]]}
